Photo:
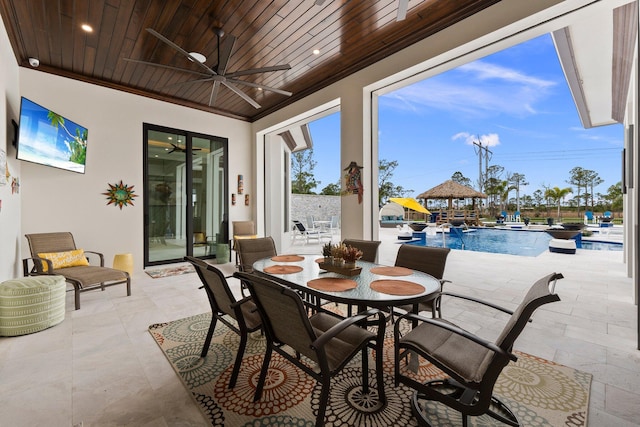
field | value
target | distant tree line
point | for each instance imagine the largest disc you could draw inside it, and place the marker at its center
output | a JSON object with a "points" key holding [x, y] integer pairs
{"points": [[499, 186]]}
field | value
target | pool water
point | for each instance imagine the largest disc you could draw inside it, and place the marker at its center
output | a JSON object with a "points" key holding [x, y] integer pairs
{"points": [[513, 242]]}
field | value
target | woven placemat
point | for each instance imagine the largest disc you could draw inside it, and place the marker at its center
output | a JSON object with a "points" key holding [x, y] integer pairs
{"points": [[396, 287], [391, 271], [332, 284], [283, 269], [287, 258]]}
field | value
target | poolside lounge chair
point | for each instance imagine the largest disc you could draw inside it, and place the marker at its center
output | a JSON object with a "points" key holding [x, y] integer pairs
{"points": [[588, 217], [335, 224], [307, 234], [606, 220], [516, 216]]}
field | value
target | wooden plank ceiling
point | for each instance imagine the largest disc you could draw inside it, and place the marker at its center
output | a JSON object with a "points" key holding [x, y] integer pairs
{"points": [[350, 35]]}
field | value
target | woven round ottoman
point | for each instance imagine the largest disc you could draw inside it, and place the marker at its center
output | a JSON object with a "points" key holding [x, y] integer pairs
{"points": [[31, 304]]}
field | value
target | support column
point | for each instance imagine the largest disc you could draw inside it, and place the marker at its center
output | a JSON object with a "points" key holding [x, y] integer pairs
{"points": [[355, 134]]}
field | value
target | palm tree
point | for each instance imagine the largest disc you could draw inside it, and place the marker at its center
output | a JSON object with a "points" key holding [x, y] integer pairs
{"points": [[557, 194]]}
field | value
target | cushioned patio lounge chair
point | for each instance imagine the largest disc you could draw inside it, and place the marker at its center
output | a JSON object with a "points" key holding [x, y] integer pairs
{"points": [[471, 364], [225, 307], [56, 253], [330, 342]]}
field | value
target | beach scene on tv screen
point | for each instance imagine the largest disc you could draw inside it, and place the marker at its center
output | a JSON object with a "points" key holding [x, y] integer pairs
{"points": [[51, 139]]}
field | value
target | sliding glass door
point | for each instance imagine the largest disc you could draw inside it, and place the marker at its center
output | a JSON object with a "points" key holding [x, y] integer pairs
{"points": [[185, 195]]}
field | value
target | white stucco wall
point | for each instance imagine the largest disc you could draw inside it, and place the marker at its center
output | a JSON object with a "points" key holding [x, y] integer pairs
{"points": [[57, 200], [10, 208]]}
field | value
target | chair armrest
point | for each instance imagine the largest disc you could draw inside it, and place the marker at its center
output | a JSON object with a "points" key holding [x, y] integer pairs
{"points": [[245, 268], [99, 254], [240, 302], [336, 329], [479, 301], [456, 330], [35, 270]]}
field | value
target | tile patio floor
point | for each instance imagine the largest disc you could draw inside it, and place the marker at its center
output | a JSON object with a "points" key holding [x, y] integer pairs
{"points": [[100, 367]]}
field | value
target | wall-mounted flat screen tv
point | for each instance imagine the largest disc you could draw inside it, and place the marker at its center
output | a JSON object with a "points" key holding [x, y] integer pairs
{"points": [[47, 138]]}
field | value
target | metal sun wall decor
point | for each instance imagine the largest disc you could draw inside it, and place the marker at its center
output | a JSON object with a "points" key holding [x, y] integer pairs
{"points": [[120, 195]]}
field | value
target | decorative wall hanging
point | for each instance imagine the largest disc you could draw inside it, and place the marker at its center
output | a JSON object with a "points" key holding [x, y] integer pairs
{"points": [[233, 199], [246, 200], [240, 184], [15, 185], [120, 195], [353, 180]]}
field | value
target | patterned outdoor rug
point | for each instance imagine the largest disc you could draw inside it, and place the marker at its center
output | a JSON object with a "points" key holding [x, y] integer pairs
{"points": [[539, 392], [170, 271]]}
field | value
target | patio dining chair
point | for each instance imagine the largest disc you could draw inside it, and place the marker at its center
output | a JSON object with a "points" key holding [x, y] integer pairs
{"points": [[251, 250], [327, 341], [242, 230], [369, 248], [471, 364], [224, 307], [427, 260], [56, 253]]}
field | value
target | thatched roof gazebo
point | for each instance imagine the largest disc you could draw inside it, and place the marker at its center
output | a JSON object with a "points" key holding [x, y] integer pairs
{"points": [[451, 190]]}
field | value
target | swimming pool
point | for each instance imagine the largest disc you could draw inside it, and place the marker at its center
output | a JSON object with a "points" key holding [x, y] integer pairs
{"points": [[513, 242]]}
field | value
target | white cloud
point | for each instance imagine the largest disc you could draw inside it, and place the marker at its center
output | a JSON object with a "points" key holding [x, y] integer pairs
{"points": [[482, 70], [478, 89], [488, 140]]}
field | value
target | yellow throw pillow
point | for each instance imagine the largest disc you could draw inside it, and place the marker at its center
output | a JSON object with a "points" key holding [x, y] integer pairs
{"points": [[64, 259]]}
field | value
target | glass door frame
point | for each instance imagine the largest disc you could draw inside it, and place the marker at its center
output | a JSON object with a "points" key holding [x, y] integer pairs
{"points": [[188, 190]]}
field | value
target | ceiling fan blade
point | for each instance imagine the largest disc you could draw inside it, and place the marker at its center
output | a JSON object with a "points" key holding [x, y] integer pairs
{"points": [[214, 92], [282, 67], [402, 9], [180, 50], [272, 89], [169, 67], [224, 53], [206, 79], [319, 2], [241, 94]]}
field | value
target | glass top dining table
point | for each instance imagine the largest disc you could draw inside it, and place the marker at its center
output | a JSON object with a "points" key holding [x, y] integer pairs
{"points": [[375, 286]]}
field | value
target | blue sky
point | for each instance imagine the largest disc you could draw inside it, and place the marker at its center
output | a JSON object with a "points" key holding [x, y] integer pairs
{"points": [[516, 102]]}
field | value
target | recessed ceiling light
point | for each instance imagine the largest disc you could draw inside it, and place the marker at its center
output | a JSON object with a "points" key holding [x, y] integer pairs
{"points": [[198, 57], [316, 51], [87, 28]]}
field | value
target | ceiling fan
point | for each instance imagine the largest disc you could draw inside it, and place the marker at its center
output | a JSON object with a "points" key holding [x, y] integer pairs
{"points": [[402, 8], [218, 74], [180, 149]]}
